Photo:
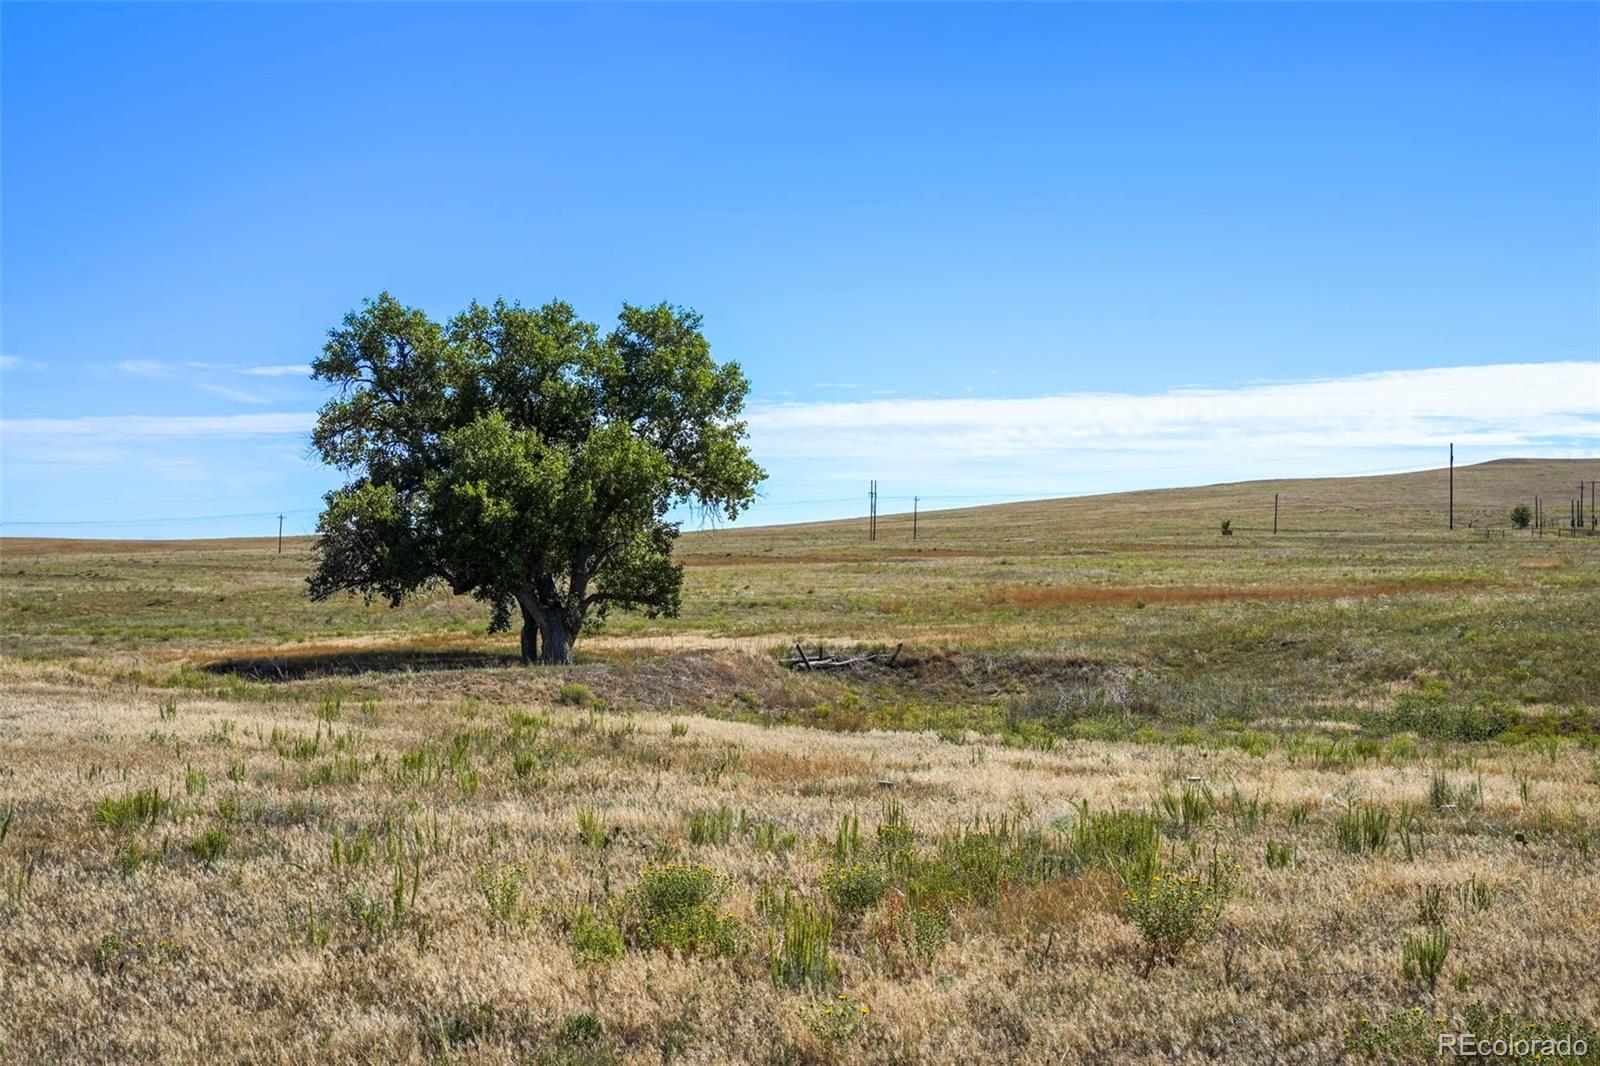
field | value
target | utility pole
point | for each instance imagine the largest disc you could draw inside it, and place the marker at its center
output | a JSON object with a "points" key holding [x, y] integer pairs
{"points": [[872, 511], [1274, 514], [280, 534], [914, 501], [1452, 485]]}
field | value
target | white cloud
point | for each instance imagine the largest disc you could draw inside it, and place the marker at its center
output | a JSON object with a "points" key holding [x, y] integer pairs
{"points": [[1503, 406], [145, 368], [277, 371], [111, 428], [10, 362], [297, 370]]}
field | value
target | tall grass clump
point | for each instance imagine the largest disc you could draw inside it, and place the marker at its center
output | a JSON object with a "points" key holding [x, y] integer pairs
{"points": [[1189, 809], [1364, 828], [1113, 840], [138, 808], [711, 827], [595, 938], [1422, 957], [799, 953], [592, 829]]}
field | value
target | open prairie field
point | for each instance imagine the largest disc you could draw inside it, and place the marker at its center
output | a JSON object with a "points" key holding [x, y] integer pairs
{"points": [[1129, 791]]}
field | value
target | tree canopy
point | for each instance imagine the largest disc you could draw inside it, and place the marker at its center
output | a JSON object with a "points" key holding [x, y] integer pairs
{"points": [[520, 455]]}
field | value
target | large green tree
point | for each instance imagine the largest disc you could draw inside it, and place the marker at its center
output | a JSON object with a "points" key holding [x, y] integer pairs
{"points": [[519, 455]]}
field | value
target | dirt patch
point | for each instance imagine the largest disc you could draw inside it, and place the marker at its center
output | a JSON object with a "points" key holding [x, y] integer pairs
{"points": [[1540, 564]]}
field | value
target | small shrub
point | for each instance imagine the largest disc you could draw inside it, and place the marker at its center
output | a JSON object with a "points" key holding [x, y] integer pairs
{"points": [[1227, 527], [847, 838], [1173, 910], [854, 888], [1190, 809], [1279, 855], [679, 729], [676, 903], [896, 836], [1522, 516], [770, 836], [1112, 840], [501, 888], [1422, 958], [837, 1022], [306, 929], [574, 694], [581, 1028], [134, 855]]}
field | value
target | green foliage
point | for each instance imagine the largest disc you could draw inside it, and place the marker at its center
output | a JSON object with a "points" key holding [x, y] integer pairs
{"points": [[1279, 854], [676, 905], [1522, 516], [519, 455], [592, 829], [1112, 840], [306, 928], [847, 837], [1432, 905], [896, 835], [1189, 809], [575, 694], [711, 827], [799, 951], [141, 807], [1364, 827], [854, 887], [1473, 895], [501, 887], [594, 938], [837, 1022], [1174, 909], [133, 856], [210, 845], [1422, 957], [768, 835]]}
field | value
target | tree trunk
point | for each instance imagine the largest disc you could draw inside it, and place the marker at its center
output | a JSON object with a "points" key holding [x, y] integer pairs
{"points": [[530, 640], [558, 638]]}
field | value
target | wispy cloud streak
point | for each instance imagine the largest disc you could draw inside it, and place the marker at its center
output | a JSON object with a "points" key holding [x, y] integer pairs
{"points": [[1506, 406]]}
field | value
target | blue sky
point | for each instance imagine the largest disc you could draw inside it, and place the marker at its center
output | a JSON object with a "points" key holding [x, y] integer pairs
{"points": [[976, 252]]}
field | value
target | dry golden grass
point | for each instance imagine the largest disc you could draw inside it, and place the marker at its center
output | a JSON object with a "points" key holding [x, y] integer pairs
{"points": [[212, 962], [340, 746]]}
